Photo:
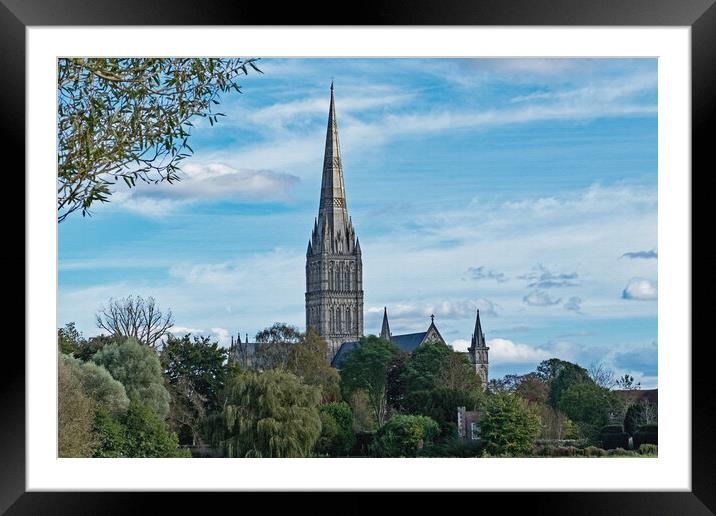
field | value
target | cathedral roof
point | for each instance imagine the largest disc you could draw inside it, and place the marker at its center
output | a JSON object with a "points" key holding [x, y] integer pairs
{"points": [[407, 343]]}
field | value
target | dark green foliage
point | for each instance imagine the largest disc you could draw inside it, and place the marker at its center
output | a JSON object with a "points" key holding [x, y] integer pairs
{"points": [[395, 391], [453, 448], [69, 339], [365, 367], [137, 368], [404, 436], [307, 360], [129, 120], [97, 384], [613, 436], [646, 434], [337, 438], [569, 374], [270, 414], [548, 370], [88, 348], [423, 367], [593, 451], [638, 414], [441, 405], [75, 412], [138, 433], [621, 452], [364, 442], [509, 426], [274, 346]]}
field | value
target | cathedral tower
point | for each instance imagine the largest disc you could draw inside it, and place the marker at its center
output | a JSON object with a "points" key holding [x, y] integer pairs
{"points": [[478, 352], [334, 268]]}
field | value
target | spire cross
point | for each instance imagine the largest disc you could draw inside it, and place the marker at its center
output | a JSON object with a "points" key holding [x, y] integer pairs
{"points": [[432, 318]]}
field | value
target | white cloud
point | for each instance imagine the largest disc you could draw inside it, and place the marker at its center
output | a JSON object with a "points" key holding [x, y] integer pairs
{"points": [[573, 304], [540, 298], [640, 289], [222, 336], [460, 344], [506, 351]]}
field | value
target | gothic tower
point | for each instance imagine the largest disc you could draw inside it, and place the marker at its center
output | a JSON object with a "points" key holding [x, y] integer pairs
{"points": [[478, 352], [334, 269]]}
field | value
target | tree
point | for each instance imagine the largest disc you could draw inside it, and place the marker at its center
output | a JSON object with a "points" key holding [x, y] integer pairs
{"points": [[404, 436], [588, 404], [89, 347], [308, 359], [137, 368], [196, 372], [547, 370], [555, 424], [531, 389], [626, 383], [365, 367], [140, 432], [270, 414], [640, 413], [569, 374], [508, 425], [130, 119], [506, 384], [69, 339], [395, 390], [440, 404], [75, 413], [97, 384], [457, 374], [601, 375], [337, 437], [274, 345], [425, 365], [139, 318]]}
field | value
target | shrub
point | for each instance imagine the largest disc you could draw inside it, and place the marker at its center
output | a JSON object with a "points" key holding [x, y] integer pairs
{"points": [[403, 436], [452, 448], [621, 452], [639, 414], [646, 434], [648, 449], [98, 384], [593, 451], [337, 437], [363, 444], [509, 426], [613, 436]]}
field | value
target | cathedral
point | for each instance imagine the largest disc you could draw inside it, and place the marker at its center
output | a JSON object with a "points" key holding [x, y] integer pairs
{"points": [[334, 273]]}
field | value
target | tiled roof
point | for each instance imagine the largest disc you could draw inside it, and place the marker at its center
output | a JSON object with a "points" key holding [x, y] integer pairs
{"points": [[407, 342]]}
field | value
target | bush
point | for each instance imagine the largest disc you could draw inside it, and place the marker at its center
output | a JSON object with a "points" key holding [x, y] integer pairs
{"points": [[593, 451], [98, 384], [621, 452], [639, 414], [613, 436], [363, 444], [403, 436], [648, 449], [337, 437], [452, 448], [509, 426], [646, 434], [75, 412]]}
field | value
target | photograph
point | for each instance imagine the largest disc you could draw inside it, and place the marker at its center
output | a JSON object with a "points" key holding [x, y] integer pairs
{"points": [[357, 257]]}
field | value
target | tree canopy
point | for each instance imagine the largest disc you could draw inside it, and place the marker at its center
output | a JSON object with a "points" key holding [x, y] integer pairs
{"points": [[129, 120], [509, 426]]}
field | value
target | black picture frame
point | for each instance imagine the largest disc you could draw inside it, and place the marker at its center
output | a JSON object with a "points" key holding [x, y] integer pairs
{"points": [[17, 15]]}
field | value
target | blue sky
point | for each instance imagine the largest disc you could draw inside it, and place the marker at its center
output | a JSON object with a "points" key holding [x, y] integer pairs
{"points": [[523, 187]]}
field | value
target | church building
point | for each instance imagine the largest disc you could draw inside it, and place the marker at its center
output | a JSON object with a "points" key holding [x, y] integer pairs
{"points": [[334, 272]]}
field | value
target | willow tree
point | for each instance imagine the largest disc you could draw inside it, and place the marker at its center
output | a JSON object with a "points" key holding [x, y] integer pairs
{"points": [[128, 120], [270, 414]]}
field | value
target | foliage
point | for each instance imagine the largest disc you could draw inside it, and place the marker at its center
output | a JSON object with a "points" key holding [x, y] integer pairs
{"points": [[641, 413], [588, 403], [395, 390], [548, 370], [646, 434], [569, 374], [509, 426], [69, 339], [404, 436], [532, 389], [270, 414], [137, 368], [457, 374], [89, 347], [453, 448], [506, 384], [139, 318], [137, 433], [337, 437], [130, 119], [363, 415], [555, 424], [441, 405], [648, 449], [75, 413], [365, 367], [97, 384], [593, 451], [626, 382], [308, 359], [613, 436], [621, 452], [274, 345], [424, 366]]}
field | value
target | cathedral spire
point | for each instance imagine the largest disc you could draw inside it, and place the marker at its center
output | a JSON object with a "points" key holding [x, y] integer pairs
{"points": [[385, 330], [333, 194], [478, 338]]}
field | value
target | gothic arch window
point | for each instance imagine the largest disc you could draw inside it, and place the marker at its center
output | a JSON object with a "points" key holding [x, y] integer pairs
{"points": [[349, 320]]}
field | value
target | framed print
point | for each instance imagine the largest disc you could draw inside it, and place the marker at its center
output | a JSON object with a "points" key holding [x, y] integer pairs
{"points": [[415, 250]]}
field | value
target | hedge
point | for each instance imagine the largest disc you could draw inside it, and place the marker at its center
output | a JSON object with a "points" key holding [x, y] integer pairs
{"points": [[614, 436], [646, 434]]}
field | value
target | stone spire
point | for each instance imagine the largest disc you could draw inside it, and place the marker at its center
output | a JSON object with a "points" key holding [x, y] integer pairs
{"points": [[332, 210], [385, 330], [478, 338]]}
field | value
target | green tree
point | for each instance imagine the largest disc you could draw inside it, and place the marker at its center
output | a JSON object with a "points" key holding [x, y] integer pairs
{"points": [[97, 384], [75, 414], [640, 413], [457, 374], [589, 405], [569, 374], [404, 436], [395, 390], [337, 437], [440, 404], [89, 347], [532, 389], [308, 359], [547, 370], [137, 368], [130, 119], [425, 365], [365, 367], [140, 432], [274, 345], [508, 425], [270, 414], [69, 339]]}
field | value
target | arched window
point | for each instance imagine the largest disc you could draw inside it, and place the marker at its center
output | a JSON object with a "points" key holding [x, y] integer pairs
{"points": [[349, 320]]}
